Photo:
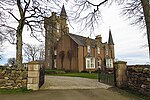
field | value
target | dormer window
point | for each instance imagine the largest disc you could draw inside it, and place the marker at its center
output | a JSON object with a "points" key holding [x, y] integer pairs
{"points": [[98, 50], [88, 49]]}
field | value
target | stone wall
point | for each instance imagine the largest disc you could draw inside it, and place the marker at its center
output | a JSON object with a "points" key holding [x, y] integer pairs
{"points": [[139, 78], [12, 78]]}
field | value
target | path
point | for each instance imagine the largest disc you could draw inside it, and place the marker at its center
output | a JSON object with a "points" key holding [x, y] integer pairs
{"points": [[61, 82]]}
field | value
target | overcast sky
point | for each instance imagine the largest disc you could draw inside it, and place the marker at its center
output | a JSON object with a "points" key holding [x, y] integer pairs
{"points": [[129, 40]]}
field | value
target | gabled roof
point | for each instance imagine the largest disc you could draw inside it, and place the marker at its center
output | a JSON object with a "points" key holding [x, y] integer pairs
{"points": [[110, 39], [80, 40], [63, 11]]}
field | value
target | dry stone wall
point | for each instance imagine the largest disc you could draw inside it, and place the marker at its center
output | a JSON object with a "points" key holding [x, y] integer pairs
{"points": [[139, 78], [12, 78]]}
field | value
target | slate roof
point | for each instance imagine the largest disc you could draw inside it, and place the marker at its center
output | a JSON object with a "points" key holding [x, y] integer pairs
{"points": [[80, 40], [63, 11]]}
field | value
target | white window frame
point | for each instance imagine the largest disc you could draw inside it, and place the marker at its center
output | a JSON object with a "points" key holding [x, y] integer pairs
{"points": [[58, 28], [88, 49], [98, 50], [55, 52], [90, 63], [55, 63], [109, 63]]}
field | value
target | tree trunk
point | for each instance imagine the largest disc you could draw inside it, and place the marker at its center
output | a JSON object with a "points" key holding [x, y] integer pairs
{"points": [[146, 10], [19, 47], [19, 35]]}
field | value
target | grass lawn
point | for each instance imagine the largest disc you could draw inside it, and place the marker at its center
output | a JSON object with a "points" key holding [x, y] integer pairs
{"points": [[83, 75]]}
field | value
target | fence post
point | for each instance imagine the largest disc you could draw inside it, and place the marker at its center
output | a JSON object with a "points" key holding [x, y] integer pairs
{"points": [[120, 70], [33, 75]]}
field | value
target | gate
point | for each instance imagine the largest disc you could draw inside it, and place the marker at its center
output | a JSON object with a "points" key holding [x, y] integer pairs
{"points": [[116, 76], [41, 76], [108, 76]]}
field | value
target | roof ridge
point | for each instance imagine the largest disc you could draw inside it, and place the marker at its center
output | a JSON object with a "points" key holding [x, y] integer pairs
{"points": [[81, 36]]}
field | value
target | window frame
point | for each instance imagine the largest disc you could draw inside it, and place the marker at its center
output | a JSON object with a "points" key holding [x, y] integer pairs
{"points": [[88, 48], [90, 63], [98, 50]]}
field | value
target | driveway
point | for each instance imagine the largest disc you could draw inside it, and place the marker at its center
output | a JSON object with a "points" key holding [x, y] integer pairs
{"points": [[69, 88], [62, 82]]}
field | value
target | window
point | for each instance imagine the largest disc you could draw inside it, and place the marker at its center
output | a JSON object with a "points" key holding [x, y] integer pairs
{"points": [[58, 27], [99, 62], [109, 63], [106, 52], [54, 63], [88, 49], [90, 62], [55, 52], [98, 50]]}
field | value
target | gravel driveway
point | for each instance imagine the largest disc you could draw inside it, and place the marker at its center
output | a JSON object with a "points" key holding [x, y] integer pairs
{"points": [[69, 88], [62, 82]]}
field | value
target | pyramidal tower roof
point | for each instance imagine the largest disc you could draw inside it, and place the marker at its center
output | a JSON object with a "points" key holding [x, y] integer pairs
{"points": [[110, 39], [63, 11]]}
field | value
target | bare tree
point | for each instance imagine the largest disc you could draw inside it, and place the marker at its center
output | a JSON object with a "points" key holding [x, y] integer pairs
{"points": [[34, 52], [139, 10], [1, 45], [29, 13]]}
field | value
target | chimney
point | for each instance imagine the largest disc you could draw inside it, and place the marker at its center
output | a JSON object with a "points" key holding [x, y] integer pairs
{"points": [[98, 38], [53, 16]]}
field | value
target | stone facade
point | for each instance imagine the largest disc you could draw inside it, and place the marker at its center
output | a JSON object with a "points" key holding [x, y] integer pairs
{"points": [[55, 27], [78, 53], [67, 51], [12, 78], [139, 78]]}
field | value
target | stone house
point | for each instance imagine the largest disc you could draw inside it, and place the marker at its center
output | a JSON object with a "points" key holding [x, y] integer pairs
{"points": [[67, 51], [78, 53]]}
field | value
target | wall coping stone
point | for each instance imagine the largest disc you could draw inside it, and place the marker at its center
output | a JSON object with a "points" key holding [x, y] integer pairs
{"points": [[120, 62]]}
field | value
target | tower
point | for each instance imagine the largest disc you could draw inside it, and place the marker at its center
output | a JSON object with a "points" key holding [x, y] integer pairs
{"points": [[55, 27], [111, 46], [109, 51], [63, 20]]}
